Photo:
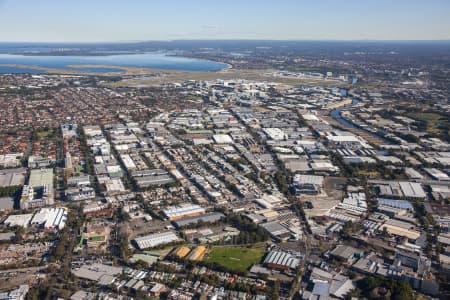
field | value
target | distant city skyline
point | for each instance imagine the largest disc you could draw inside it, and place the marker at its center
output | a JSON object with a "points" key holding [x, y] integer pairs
{"points": [[133, 20]]}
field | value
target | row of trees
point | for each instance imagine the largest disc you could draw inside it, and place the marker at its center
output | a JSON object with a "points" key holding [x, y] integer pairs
{"points": [[61, 282], [297, 208], [250, 232], [370, 287], [364, 170], [10, 191]]}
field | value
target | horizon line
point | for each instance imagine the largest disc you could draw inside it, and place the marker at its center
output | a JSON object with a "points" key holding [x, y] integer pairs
{"points": [[230, 39]]}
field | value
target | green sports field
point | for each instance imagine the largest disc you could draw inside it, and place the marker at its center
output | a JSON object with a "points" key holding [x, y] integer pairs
{"points": [[235, 258]]}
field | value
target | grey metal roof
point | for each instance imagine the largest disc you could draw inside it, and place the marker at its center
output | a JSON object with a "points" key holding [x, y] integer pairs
{"points": [[395, 203], [321, 289], [282, 258], [210, 217]]}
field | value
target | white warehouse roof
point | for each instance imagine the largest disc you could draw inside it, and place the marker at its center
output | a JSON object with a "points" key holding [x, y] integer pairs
{"points": [[222, 139], [18, 220], [51, 218], [274, 133], [183, 209], [308, 179], [156, 239]]}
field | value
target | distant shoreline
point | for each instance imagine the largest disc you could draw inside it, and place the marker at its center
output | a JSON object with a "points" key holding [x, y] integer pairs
{"points": [[76, 53], [72, 70], [140, 63]]}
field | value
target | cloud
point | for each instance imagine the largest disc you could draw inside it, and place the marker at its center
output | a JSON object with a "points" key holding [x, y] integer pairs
{"points": [[210, 27]]}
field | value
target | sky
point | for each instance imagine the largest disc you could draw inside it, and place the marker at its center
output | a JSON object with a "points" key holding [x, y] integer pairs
{"points": [[140, 20]]}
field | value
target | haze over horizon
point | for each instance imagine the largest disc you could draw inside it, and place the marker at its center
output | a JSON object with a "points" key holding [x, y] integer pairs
{"points": [[120, 21]]}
